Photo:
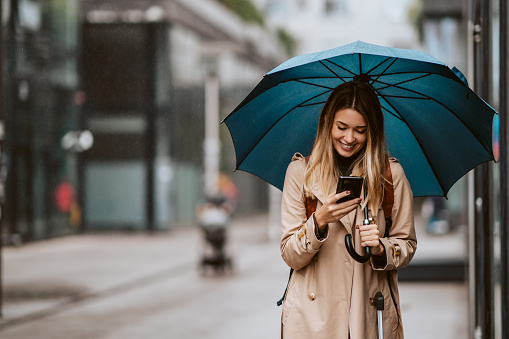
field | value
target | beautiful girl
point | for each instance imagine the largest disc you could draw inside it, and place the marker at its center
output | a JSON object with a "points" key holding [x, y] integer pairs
{"points": [[329, 294]]}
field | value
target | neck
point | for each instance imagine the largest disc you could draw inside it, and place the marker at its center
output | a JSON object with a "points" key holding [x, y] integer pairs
{"points": [[345, 164]]}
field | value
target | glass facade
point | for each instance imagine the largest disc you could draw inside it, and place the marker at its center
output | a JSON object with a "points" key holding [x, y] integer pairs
{"points": [[149, 124], [41, 105]]}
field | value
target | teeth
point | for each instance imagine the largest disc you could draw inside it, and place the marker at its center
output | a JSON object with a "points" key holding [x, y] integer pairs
{"points": [[346, 146]]}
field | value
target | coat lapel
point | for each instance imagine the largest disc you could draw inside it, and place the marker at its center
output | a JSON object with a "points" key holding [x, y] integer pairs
{"points": [[318, 193], [348, 221]]}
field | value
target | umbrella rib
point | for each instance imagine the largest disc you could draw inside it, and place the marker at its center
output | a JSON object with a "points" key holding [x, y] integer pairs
{"points": [[316, 85], [308, 100], [383, 72], [391, 113], [330, 70], [417, 72], [388, 85], [402, 97], [428, 72], [452, 112], [302, 104], [307, 105], [461, 121], [301, 80], [410, 72], [420, 145], [343, 68]]}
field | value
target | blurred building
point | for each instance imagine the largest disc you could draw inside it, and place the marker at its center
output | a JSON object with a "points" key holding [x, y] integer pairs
{"points": [[105, 105], [322, 24]]}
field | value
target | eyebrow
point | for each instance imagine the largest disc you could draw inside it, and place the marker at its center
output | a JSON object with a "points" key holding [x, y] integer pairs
{"points": [[342, 123]]}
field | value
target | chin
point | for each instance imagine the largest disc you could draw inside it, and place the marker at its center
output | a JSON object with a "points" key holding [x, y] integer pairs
{"points": [[346, 154]]}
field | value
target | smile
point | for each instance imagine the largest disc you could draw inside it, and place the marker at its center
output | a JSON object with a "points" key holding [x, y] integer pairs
{"points": [[347, 147]]}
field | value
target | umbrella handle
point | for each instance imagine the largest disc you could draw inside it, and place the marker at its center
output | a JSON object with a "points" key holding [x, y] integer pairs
{"points": [[353, 254], [348, 239]]}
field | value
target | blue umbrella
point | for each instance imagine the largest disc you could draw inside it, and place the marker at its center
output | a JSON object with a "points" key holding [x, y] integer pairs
{"points": [[435, 125]]}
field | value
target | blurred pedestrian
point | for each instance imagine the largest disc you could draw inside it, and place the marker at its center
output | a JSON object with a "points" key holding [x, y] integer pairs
{"points": [[214, 217], [229, 190], [328, 295]]}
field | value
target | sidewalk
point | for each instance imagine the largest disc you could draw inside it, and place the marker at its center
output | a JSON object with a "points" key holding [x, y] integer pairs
{"points": [[72, 283]]}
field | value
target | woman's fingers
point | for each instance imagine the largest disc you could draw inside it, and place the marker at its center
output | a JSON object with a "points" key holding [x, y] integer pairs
{"points": [[334, 197], [370, 235], [331, 211]]}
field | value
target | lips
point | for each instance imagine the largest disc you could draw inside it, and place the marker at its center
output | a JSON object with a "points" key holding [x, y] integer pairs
{"points": [[347, 147]]}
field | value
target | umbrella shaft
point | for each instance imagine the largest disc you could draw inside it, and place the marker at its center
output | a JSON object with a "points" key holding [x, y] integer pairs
{"points": [[380, 325]]}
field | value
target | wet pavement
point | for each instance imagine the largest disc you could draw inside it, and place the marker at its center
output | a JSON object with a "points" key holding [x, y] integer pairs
{"points": [[136, 285]]}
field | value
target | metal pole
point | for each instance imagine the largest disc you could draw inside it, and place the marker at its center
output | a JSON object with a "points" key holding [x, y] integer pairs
{"points": [[1, 151], [470, 203], [504, 218], [150, 134], [484, 227], [486, 183], [211, 144], [477, 234], [379, 304]]}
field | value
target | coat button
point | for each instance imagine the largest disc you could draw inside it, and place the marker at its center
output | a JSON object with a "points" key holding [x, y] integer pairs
{"points": [[312, 296]]}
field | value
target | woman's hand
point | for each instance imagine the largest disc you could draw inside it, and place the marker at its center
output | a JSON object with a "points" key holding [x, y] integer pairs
{"points": [[331, 211], [370, 236]]}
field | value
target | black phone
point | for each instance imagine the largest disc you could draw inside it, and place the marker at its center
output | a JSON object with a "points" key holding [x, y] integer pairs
{"points": [[352, 184]]}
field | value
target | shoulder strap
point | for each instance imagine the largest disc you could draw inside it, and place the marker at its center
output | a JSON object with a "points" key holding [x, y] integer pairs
{"points": [[388, 199], [310, 206], [310, 203]]}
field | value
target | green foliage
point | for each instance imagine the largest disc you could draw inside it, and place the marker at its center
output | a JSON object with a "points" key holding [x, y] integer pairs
{"points": [[287, 40], [245, 10], [415, 16]]}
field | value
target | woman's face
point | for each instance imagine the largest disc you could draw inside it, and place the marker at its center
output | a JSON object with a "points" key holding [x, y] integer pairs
{"points": [[349, 132]]}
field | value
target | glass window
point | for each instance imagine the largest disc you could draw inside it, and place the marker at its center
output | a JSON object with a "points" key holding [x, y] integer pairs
{"points": [[335, 7]]}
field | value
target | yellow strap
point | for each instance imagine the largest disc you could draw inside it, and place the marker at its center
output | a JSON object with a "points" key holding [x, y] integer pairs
{"points": [[302, 231]]}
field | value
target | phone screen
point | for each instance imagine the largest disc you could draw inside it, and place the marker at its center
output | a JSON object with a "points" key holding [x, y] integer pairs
{"points": [[352, 184]]}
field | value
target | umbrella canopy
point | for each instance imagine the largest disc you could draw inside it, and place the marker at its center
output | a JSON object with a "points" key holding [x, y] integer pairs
{"points": [[435, 125]]}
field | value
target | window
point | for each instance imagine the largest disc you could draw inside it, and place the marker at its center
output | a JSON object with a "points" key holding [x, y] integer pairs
{"points": [[335, 7]]}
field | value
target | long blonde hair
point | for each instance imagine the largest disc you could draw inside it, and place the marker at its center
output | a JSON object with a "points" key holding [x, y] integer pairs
{"points": [[322, 167]]}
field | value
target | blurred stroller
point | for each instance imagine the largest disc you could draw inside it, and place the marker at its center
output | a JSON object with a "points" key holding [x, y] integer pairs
{"points": [[214, 218]]}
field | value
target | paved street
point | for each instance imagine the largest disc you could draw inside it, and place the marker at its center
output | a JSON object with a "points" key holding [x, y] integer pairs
{"points": [[128, 285]]}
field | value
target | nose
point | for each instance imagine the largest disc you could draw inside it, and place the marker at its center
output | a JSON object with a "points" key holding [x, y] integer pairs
{"points": [[349, 137]]}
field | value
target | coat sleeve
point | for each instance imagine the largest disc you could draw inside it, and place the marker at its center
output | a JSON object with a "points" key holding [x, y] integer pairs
{"points": [[401, 243], [298, 239]]}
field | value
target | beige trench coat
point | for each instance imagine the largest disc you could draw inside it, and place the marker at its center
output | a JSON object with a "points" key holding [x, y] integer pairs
{"points": [[328, 294]]}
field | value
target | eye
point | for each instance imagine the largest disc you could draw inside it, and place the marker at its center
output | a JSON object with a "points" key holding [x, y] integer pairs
{"points": [[361, 131]]}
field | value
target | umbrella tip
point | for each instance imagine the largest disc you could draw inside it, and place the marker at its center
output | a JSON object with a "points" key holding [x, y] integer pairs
{"points": [[362, 77]]}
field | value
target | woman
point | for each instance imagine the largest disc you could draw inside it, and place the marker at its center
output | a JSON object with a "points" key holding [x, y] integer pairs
{"points": [[329, 293]]}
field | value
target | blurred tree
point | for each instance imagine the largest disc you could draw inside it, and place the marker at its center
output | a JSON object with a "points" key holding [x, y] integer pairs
{"points": [[287, 40], [415, 16], [244, 9]]}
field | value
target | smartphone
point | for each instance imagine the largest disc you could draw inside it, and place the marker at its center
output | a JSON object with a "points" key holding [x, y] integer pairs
{"points": [[352, 184]]}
